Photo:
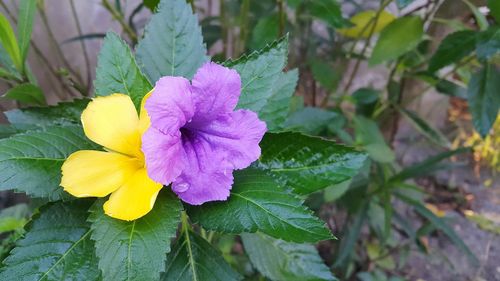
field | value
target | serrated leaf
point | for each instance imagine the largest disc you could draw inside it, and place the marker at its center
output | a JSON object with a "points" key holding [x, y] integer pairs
{"points": [[425, 128], [57, 246], [284, 261], [173, 43], [307, 164], [117, 71], [64, 113], [27, 10], [275, 112], [9, 42], [259, 72], [194, 259], [31, 162], [27, 94], [135, 250], [257, 203], [483, 98], [452, 49], [399, 37]]}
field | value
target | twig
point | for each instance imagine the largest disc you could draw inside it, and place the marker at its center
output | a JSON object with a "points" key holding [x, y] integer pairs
{"points": [[119, 17], [84, 47]]}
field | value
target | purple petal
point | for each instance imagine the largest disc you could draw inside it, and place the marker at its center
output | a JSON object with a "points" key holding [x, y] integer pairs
{"points": [[235, 136], [208, 178], [216, 90], [164, 155], [170, 106]]}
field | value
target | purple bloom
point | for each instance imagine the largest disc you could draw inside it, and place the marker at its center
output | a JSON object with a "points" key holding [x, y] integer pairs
{"points": [[196, 138]]}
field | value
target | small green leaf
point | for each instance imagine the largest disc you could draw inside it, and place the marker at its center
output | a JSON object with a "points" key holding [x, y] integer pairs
{"points": [[451, 89], [323, 72], [426, 167], [314, 121], [257, 203], [328, 11], [259, 73], [483, 97], [64, 113], [27, 94], [57, 246], [369, 136], [151, 4], [27, 10], [14, 217], [494, 6], [31, 162], [399, 37], [117, 71], [172, 43], [266, 30], [488, 43], [275, 112], [9, 42], [336, 191], [284, 261], [452, 49], [194, 259], [307, 164], [425, 128], [350, 237], [135, 250]]}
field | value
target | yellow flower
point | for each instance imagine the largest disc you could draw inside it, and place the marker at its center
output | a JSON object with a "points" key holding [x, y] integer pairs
{"points": [[112, 122], [361, 20]]}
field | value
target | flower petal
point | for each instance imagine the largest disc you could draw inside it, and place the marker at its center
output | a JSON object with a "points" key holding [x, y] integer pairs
{"points": [[208, 178], [216, 90], [235, 136], [88, 173], [164, 154], [112, 122], [170, 106], [134, 199]]}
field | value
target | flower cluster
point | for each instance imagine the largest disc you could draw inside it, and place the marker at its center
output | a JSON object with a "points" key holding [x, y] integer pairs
{"points": [[188, 135]]}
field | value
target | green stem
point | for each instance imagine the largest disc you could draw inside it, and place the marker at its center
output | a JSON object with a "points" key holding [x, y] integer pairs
{"points": [[119, 17], [84, 47]]}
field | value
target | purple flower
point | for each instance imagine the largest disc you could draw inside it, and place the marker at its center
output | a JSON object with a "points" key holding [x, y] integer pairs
{"points": [[196, 138]]}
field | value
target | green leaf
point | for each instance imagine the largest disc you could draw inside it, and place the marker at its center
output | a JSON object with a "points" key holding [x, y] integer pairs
{"points": [[403, 3], [275, 112], [366, 100], [425, 128], [14, 217], [481, 19], [172, 43], [259, 73], [451, 89], [284, 261], [257, 203], [426, 167], [488, 43], [151, 4], [369, 136], [135, 250], [441, 225], [399, 37], [57, 246], [27, 10], [336, 191], [328, 11], [323, 72], [453, 48], [483, 98], [350, 237], [64, 113], [9, 42], [27, 94], [313, 120], [31, 162], [7, 131], [494, 6], [194, 259], [307, 164], [117, 71]]}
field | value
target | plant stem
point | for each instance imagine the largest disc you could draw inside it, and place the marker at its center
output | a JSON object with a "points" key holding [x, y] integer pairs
{"points": [[282, 17], [367, 44], [84, 47], [119, 17]]}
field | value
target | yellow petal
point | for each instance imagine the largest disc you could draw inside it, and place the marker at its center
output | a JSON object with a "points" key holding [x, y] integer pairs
{"points": [[362, 19], [89, 173], [134, 199], [112, 122], [144, 120]]}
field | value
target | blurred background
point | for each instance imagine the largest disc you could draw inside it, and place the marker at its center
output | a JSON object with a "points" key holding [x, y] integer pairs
{"points": [[405, 118]]}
